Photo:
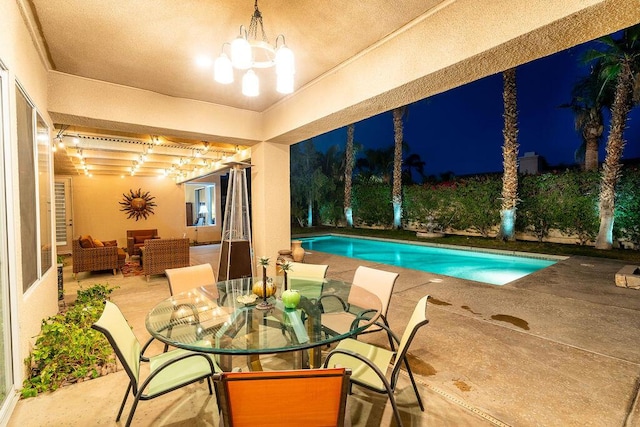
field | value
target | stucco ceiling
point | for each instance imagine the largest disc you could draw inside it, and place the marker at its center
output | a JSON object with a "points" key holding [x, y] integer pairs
{"points": [[153, 44]]}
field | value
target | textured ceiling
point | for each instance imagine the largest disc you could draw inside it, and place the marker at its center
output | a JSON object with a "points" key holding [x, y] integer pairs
{"points": [[153, 44]]}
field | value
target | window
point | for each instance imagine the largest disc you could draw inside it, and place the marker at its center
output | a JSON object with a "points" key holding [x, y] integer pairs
{"points": [[44, 195], [201, 204], [34, 160]]}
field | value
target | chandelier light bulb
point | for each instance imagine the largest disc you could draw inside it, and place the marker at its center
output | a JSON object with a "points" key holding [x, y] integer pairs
{"points": [[223, 69], [250, 84], [285, 63], [241, 56], [284, 83]]}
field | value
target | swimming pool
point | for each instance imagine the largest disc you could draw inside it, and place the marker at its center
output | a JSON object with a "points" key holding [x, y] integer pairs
{"points": [[492, 268]]}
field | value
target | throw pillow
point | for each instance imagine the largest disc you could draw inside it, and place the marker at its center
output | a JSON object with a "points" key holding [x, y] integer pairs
{"points": [[110, 243], [97, 243], [86, 242], [141, 239]]}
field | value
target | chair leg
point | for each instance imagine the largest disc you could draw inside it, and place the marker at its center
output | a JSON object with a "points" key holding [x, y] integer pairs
{"points": [[209, 384], [133, 409], [413, 382], [124, 400], [394, 405]]}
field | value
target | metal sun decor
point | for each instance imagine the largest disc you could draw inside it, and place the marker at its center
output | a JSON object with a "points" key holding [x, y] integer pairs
{"points": [[137, 204]]}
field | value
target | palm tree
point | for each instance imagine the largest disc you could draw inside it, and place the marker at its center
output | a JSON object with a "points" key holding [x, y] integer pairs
{"points": [[348, 174], [376, 164], [588, 99], [510, 157], [619, 62], [396, 193], [307, 181], [411, 163]]}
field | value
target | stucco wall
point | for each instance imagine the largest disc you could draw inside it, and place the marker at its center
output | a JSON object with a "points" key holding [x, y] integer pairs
{"points": [[24, 65]]}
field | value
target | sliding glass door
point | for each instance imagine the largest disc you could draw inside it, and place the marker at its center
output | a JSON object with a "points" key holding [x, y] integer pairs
{"points": [[6, 367]]}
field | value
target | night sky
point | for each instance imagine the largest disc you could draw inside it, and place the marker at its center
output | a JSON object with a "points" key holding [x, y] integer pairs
{"points": [[461, 130]]}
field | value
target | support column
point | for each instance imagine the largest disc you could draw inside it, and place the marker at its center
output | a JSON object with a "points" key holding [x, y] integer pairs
{"points": [[270, 201]]}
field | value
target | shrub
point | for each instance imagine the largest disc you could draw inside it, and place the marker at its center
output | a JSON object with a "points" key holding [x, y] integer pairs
{"points": [[475, 204], [67, 349], [372, 204], [627, 221]]}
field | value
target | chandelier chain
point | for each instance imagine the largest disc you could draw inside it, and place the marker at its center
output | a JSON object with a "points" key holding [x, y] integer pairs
{"points": [[256, 19]]}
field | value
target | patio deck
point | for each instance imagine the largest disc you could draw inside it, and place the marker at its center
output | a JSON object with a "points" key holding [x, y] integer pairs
{"points": [[556, 348]]}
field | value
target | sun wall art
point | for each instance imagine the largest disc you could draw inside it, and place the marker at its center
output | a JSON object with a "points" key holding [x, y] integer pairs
{"points": [[137, 204]]}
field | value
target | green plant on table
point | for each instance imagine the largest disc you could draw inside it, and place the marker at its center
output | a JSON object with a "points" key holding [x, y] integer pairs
{"points": [[67, 349]]}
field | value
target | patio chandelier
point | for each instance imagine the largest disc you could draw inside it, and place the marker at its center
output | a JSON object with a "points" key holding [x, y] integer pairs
{"points": [[247, 53]]}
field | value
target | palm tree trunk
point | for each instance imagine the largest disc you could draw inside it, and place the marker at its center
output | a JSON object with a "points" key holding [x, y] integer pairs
{"points": [[615, 145], [310, 213], [591, 154], [348, 174], [509, 158], [396, 194], [592, 132]]}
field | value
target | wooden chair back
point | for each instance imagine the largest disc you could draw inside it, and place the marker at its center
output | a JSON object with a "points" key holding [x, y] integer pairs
{"points": [[305, 397]]}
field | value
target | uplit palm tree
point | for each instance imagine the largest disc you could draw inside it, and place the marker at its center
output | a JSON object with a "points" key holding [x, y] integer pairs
{"points": [[348, 174], [396, 193], [509, 157], [619, 62]]}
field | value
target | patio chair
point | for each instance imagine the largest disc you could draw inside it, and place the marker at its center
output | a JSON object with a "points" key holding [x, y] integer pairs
{"points": [[369, 363], [305, 397], [185, 278], [308, 279], [167, 371], [378, 282]]}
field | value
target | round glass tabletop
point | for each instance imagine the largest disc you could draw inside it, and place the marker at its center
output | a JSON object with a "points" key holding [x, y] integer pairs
{"points": [[221, 318]]}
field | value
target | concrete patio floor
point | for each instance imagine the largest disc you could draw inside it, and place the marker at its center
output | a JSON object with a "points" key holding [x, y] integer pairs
{"points": [[559, 347]]}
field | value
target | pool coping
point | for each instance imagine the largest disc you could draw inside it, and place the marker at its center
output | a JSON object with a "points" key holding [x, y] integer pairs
{"points": [[520, 254]]}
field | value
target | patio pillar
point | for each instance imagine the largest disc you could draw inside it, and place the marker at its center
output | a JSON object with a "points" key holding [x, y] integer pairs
{"points": [[270, 201]]}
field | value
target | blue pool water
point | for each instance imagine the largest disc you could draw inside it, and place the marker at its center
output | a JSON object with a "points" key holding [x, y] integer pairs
{"points": [[495, 269]]}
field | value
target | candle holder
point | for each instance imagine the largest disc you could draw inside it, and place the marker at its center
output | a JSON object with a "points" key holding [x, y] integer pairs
{"points": [[285, 267], [264, 305]]}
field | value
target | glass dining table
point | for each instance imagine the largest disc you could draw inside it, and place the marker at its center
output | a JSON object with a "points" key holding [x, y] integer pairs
{"points": [[219, 319]]}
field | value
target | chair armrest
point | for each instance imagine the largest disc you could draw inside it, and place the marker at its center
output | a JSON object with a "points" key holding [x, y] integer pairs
{"points": [[176, 360], [362, 359], [144, 348], [345, 306], [363, 316]]}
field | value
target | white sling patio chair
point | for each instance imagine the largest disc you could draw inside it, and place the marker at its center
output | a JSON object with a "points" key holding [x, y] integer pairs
{"points": [[369, 363], [167, 371], [185, 278], [376, 281], [308, 279]]}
